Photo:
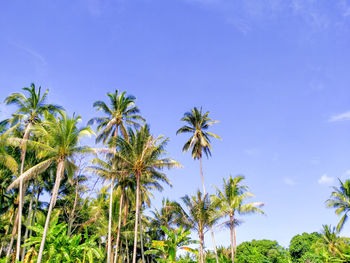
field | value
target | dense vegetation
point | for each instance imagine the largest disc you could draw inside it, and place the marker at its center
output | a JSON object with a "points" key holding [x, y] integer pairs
{"points": [[98, 195]]}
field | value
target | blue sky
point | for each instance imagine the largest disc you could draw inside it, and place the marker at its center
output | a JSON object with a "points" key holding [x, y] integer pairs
{"points": [[274, 72]]}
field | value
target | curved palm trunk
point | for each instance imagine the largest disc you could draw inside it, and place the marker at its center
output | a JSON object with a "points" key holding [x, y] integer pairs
{"points": [[234, 238], [21, 194], [109, 248], [232, 242], [211, 228], [59, 175], [119, 226], [136, 216]]}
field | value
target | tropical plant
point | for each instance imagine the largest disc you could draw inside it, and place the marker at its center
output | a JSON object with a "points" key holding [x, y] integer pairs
{"points": [[143, 155], [121, 112], [197, 124], [232, 201], [340, 200], [30, 109], [199, 214], [61, 247], [59, 143], [174, 239]]}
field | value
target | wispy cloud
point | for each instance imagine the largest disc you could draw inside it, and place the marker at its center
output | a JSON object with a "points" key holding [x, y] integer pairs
{"points": [[325, 179], [36, 55], [345, 116], [289, 181]]}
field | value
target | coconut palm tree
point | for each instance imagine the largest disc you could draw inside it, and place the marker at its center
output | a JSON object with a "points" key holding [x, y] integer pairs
{"points": [[340, 200], [331, 242], [200, 215], [59, 143], [197, 124], [230, 201], [121, 113], [30, 109], [143, 157]]}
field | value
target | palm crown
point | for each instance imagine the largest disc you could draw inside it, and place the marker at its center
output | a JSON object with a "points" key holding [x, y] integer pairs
{"points": [[121, 112], [340, 199], [198, 123]]}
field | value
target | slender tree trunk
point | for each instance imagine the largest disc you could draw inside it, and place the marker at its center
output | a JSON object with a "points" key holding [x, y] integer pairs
{"points": [[141, 236], [13, 234], [201, 254], [21, 194], [119, 225], [28, 221], [71, 216], [7, 231], [136, 216], [35, 209], [109, 248], [59, 175], [211, 228], [232, 242]]}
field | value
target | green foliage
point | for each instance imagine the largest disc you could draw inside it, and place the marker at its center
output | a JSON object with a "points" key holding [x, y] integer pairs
{"points": [[174, 240], [62, 248], [261, 251], [301, 244]]}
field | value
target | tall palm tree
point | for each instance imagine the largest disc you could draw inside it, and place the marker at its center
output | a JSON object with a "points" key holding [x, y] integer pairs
{"points": [[59, 143], [30, 109], [200, 216], [121, 113], [143, 157], [232, 201], [197, 124], [340, 200]]}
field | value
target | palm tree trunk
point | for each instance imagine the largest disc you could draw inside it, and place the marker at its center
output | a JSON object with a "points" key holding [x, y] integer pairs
{"points": [[136, 216], [232, 249], [119, 225], [59, 175], [109, 248], [201, 254], [28, 221], [35, 209], [211, 228], [21, 194]]}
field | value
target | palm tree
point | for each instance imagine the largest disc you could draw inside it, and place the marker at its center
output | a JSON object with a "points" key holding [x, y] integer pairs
{"points": [[331, 242], [200, 216], [197, 124], [340, 199], [143, 158], [231, 201], [59, 143], [121, 112], [30, 109]]}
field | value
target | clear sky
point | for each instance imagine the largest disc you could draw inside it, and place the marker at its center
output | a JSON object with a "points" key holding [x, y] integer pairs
{"points": [[274, 72]]}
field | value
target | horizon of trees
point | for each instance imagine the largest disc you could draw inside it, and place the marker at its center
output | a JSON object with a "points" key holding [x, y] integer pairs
{"points": [[41, 153]]}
